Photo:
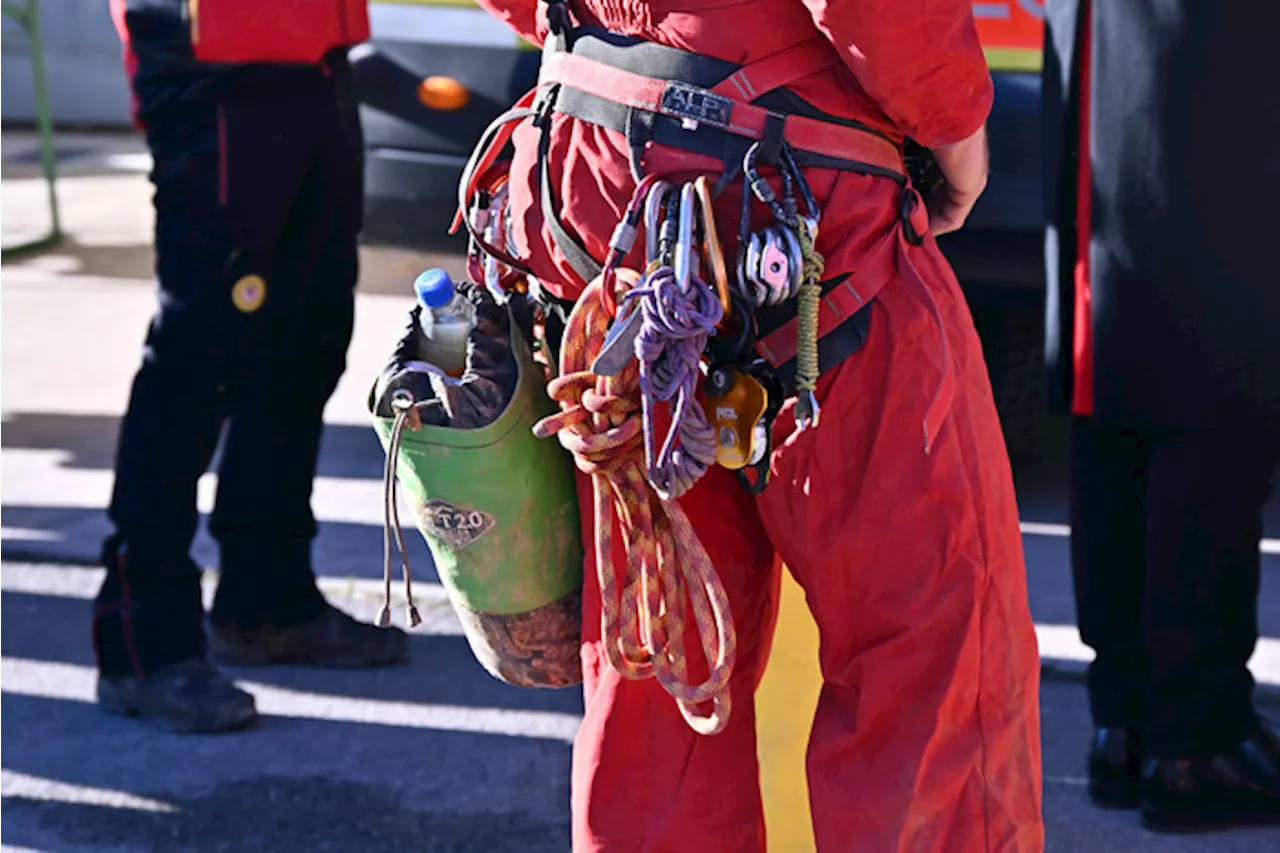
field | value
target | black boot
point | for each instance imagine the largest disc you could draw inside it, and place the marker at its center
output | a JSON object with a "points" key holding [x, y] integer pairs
{"points": [[189, 697], [1115, 768], [1238, 787], [331, 639], [150, 645]]}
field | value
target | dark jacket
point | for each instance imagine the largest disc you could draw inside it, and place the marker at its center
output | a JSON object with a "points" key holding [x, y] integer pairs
{"points": [[1184, 124], [181, 50]]}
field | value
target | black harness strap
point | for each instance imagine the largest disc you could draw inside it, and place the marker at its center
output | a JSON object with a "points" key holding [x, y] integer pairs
{"points": [[579, 258]]}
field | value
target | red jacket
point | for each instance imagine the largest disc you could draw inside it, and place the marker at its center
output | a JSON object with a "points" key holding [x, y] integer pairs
{"points": [[169, 45], [293, 31], [913, 68]]}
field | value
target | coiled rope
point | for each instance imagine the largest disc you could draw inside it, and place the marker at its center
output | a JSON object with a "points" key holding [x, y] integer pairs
{"points": [[677, 319], [667, 571]]}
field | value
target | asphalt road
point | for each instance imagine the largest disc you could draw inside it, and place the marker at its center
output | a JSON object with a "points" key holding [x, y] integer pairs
{"points": [[435, 756]]}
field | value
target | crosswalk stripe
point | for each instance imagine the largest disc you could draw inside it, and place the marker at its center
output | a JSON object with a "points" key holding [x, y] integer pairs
{"points": [[75, 683]]}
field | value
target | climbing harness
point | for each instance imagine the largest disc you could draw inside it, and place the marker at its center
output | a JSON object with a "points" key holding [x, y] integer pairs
{"points": [[638, 343]]}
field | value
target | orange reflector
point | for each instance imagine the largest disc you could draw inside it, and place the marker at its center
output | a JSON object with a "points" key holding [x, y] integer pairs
{"points": [[443, 93]]}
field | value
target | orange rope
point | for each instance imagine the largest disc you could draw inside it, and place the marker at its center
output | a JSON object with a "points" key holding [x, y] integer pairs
{"points": [[643, 613]]}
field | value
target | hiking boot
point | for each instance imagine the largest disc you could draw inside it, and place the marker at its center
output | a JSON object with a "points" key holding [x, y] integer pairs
{"points": [[188, 697], [332, 639], [1115, 768]]}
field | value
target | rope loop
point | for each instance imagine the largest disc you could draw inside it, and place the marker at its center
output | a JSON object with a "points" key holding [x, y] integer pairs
{"points": [[603, 421]]}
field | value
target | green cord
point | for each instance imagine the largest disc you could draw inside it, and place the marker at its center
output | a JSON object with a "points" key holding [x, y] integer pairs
{"points": [[808, 302]]}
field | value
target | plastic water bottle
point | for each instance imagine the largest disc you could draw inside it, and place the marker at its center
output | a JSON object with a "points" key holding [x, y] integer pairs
{"points": [[447, 319]]}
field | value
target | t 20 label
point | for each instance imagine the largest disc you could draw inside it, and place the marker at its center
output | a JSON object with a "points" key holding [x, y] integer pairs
{"points": [[456, 526]]}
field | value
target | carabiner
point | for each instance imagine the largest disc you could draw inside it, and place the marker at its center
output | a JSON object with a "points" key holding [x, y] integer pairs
{"points": [[496, 234], [759, 186], [653, 216], [683, 264], [711, 247], [810, 203], [620, 244]]}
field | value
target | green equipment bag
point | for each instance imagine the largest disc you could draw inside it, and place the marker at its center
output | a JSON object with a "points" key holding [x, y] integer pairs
{"points": [[496, 505]]}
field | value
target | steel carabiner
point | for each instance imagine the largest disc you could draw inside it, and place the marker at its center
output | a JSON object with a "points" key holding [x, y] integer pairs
{"points": [[685, 261], [654, 210]]}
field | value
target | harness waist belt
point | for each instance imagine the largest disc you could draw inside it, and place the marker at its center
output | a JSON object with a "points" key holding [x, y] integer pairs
{"points": [[692, 107]]}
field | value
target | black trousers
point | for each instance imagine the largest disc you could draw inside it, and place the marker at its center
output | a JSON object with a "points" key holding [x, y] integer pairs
{"points": [[258, 199], [1164, 550]]}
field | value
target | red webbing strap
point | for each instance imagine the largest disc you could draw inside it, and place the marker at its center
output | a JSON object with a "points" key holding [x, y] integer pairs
{"points": [[778, 70], [646, 93]]}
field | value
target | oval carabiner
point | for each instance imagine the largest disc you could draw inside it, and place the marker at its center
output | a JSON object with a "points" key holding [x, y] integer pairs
{"points": [[653, 212], [711, 247], [683, 261]]}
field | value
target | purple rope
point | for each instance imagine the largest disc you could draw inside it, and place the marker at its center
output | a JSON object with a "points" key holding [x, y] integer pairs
{"points": [[676, 322]]}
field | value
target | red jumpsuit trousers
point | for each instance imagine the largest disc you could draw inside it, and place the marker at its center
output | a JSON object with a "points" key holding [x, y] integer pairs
{"points": [[926, 735]]}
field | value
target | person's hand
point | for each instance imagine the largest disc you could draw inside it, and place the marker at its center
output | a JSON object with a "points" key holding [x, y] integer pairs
{"points": [[964, 171]]}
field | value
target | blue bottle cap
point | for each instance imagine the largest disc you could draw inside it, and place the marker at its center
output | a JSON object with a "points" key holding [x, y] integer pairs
{"points": [[434, 288]]}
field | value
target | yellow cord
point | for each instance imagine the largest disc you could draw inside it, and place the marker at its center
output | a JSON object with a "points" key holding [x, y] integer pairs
{"points": [[808, 302]]}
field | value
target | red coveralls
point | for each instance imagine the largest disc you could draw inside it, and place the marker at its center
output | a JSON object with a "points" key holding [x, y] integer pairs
{"points": [[926, 736]]}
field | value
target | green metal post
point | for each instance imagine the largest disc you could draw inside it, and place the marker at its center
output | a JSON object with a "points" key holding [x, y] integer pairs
{"points": [[28, 17]]}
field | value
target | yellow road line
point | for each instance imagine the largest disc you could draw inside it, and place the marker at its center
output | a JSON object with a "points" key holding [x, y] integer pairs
{"points": [[785, 704]]}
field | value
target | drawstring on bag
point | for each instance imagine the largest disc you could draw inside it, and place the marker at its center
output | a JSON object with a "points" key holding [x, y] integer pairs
{"points": [[406, 415]]}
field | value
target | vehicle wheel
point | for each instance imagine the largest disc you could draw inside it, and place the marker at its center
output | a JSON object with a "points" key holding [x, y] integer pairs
{"points": [[1011, 326]]}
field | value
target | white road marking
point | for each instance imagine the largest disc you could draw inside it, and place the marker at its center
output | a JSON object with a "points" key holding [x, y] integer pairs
{"points": [[1062, 531], [75, 683], [44, 478], [1057, 642], [82, 582], [1062, 642], [128, 162], [24, 534], [38, 788]]}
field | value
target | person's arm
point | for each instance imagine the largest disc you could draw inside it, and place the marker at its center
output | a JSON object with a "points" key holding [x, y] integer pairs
{"points": [[520, 15], [923, 65]]}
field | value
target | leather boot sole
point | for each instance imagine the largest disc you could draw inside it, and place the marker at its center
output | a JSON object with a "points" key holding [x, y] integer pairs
{"points": [[112, 700], [1207, 818]]}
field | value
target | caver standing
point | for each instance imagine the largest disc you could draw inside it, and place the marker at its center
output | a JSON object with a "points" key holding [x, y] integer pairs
{"points": [[252, 125], [895, 512], [1163, 317]]}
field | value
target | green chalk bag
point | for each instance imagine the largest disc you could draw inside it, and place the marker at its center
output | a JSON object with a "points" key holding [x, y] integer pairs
{"points": [[496, 505]]}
